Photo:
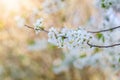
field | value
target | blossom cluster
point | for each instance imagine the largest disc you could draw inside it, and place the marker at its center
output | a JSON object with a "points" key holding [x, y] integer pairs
{"points": [[108, 3], [52, 6], [69, 38]]}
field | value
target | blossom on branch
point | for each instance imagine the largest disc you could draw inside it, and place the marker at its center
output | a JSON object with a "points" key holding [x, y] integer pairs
{"points": [[38, 26], [68, 38]]}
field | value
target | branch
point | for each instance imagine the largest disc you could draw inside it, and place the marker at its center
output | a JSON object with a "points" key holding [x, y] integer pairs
{"points": [[104, 30], [91, 45], [42, 29], [107, 46]]}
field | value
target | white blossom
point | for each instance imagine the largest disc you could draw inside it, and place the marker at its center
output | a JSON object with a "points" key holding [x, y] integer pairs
{"points": [[69, 38], [52, 36], [38, 25]]}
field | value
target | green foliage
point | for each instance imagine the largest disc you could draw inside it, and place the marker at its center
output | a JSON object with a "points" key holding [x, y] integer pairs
{"points": [[105, 4], [100, 36]]}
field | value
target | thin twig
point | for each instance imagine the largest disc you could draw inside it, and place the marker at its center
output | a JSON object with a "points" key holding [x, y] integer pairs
{"points": [[113, 45], [36, 29], [106, 46], [104, 30]]}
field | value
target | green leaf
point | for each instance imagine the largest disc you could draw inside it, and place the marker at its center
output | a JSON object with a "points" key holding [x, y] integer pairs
{"points": [[100, 36], [103, 5]]}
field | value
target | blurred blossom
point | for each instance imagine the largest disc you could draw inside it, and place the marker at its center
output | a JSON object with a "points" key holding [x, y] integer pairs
{"points": [[20, 21], [38, 25], [52, 6], [116, 34], [57, 62], [60, 69], [112, 18], [81, 63], [35, 11], [39, 44], [1, 70]]}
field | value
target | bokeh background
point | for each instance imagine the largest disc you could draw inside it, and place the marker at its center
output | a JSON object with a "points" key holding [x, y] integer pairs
{"points": [[27, 56]]}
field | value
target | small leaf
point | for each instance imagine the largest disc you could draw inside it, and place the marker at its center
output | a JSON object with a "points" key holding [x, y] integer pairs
{"points": [[103, 5], [99, 35]]}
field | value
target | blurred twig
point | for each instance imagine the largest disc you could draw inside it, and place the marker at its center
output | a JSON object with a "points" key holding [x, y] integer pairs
{"points": [[42, 29], [106, 46], [104, 30]]}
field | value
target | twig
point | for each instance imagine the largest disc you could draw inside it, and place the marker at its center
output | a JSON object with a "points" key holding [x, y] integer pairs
{"points": [[36, 29], [106, 46], [91, 45], [104, 30]]}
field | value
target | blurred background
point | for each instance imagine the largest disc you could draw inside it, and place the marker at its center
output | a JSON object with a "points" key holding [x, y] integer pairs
{"points": [[27, 56]]}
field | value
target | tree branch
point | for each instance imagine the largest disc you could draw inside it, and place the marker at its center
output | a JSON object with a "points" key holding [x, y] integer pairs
{"points": [[107, 46], [91, 45], [104, 30], [36, 29]]}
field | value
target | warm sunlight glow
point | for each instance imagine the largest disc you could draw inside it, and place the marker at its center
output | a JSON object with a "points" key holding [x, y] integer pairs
{"points": [[14, 5], [10, 4]]}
